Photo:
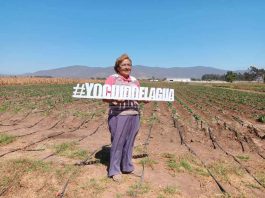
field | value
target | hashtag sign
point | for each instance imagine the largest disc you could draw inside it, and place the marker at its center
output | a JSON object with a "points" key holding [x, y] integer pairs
{"points": [[99, 91], [79, 90]]}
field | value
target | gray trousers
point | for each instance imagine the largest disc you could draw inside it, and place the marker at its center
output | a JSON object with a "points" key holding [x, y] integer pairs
{"points": [[123, 129]]}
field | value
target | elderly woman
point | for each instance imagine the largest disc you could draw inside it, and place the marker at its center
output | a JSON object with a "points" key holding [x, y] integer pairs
{"points": [[123, 121]]}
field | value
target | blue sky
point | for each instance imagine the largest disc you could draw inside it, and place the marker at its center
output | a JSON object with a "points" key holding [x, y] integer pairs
{"points": [[38, 35]]}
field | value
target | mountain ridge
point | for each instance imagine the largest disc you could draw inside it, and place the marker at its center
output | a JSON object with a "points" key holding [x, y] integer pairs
{"points": [[139, 71]]}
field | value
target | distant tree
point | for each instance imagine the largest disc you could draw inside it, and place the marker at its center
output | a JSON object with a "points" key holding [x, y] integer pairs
{"points": [[256, 73], [213, 77], [100, 78], [230, 76], [240, 76], [249, 76]]}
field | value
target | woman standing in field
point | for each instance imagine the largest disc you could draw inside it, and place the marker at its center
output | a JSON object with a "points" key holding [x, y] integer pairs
{"points": [[123, 121]]}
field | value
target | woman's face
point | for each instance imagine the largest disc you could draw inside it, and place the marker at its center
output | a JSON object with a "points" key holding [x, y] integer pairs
{"points": [[125, 68]]}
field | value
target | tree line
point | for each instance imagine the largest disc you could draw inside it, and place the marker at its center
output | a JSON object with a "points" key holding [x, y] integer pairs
{"points": [[252, 74]]}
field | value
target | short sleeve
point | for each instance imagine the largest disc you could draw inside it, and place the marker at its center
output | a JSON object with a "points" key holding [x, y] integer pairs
{"points": [[110, 80], [137, 83]]}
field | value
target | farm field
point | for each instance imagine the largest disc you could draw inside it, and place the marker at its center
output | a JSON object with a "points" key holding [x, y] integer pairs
{"points": [[209, 142], [254, 87]]}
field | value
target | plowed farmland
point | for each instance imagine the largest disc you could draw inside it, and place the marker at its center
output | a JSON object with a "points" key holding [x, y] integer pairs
{"points": [[209, 142]]}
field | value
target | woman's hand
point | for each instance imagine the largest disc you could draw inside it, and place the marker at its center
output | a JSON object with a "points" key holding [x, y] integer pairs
{"points": [[115, 102]]}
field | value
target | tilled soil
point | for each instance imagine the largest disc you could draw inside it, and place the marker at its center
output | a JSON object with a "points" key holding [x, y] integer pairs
{"points": [[217, 157]]}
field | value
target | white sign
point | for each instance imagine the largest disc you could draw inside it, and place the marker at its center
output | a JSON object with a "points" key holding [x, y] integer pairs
{"points": [[122, 92]]}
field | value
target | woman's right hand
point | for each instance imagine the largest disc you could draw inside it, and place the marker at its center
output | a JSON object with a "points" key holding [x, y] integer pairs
{"points": [[116, 102]]}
